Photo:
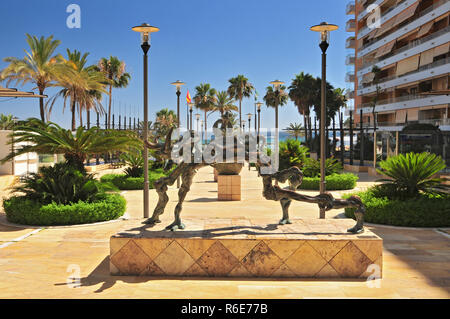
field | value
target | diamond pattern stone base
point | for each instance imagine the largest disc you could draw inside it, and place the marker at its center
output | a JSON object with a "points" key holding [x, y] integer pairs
{"points": [[314, 248]]}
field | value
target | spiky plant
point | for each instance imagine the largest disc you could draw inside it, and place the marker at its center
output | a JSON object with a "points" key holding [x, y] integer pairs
{"points": [[412, 173]]}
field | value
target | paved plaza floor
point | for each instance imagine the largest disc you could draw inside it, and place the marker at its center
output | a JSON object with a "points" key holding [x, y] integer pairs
{"points": [[39, 263]]}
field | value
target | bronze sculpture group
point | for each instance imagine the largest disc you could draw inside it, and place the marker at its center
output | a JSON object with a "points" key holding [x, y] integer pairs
{"points": [[186, 171]]}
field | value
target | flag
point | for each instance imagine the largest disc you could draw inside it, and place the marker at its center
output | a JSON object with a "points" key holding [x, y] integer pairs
{"points": [[188, 97]]}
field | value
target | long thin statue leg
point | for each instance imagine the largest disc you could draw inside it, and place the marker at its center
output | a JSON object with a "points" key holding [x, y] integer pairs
{"points": [[161, 189], [186, 182], [285, 203]]}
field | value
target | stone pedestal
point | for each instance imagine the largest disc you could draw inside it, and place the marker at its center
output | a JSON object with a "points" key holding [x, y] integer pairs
{"points": [[249, 248], [229, 187]]}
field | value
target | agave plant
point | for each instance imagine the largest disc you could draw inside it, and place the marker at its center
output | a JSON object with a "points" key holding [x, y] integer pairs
{"points": [[412, 173], [60, 183], [292, 153], [135, 162], [312, 167]]}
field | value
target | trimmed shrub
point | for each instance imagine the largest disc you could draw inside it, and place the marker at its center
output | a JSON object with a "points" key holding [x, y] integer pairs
{"points": [[427, 210], [125, 182], [22, 210], [334, 182]]}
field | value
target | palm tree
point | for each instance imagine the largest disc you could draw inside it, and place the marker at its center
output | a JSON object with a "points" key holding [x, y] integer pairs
{"points": [[239, 88], [204, 99], [84, 86], [6, 122], [275, 99], [295, 130], [39, 67], [302, 93], [50, 138], [224, 103], [165, 120], [114, 71]]}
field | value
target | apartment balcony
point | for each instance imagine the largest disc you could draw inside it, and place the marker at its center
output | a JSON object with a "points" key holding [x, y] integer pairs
{"points": [[350, 43], [434, 69], [440, 8], [387, 15], [363, 13], [405, 102], [350, 25], [350, 59], [418, 46], [350, 9], [350, 77], [350, 94]]}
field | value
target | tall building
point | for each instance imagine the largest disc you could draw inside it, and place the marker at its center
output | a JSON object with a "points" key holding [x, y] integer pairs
{"points": [[399, 71]]}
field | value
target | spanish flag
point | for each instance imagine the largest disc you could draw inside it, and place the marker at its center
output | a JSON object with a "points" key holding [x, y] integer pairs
{"points": [[188, 97]]}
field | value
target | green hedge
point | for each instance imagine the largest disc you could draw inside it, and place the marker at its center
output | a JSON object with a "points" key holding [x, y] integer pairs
{"points": [[333, 182], [22, 210], [124, 182], [425, 211]]}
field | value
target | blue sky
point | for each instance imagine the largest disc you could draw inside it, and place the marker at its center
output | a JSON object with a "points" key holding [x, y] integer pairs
{"points": [[200, 41]]}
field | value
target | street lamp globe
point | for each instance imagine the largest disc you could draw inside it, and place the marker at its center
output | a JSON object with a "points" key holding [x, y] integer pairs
{"points": [[178, 84], [249, 116], [324, 29], [145, 30], [258, 106], [276, 84]]}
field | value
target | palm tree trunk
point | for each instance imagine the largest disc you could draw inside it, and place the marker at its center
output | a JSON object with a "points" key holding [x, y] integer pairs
{"points": [[276, 117], [88, 118], [206, 128], [240, 113], [41, 105], [109, 107], [73, 115], [81, 115]]}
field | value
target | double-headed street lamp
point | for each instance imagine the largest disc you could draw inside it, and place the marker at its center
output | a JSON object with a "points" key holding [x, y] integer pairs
{"points": [[145, 30], [324, 29]]}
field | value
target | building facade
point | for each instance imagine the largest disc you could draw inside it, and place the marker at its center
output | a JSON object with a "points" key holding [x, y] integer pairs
{"points": [[398, 72]]}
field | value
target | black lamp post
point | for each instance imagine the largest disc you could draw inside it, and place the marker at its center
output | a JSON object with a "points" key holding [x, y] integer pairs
{"points": [[197, 117], [324, 29], [190, 116], [145, 30], [178, 85], [258, 108]]}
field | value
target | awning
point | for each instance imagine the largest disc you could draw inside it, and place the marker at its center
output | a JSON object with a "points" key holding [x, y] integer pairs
{"points": [[426, 57], [408, 65], [368, 78], [442, 49], [372, 34], [425, 29], [385, 49], [386, 27], [9, 92], [407, 13]]}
